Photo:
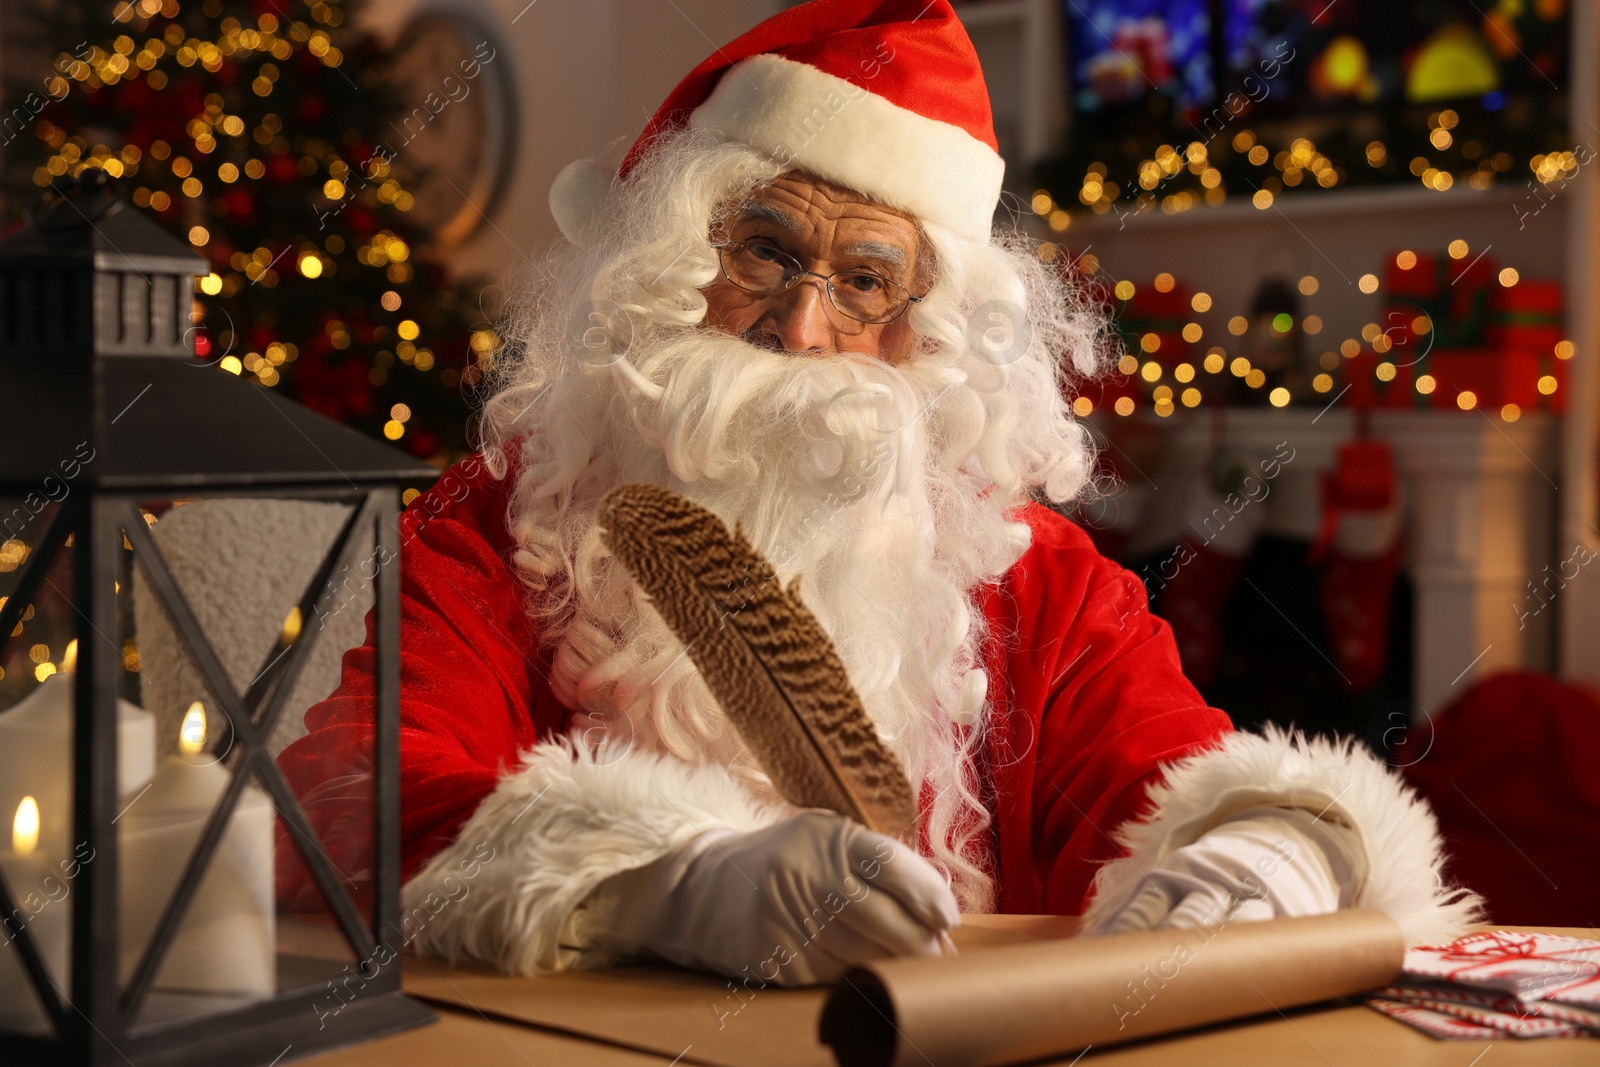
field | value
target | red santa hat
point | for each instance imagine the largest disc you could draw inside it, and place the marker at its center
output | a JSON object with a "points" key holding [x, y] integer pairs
{"points": [[885, 97]]}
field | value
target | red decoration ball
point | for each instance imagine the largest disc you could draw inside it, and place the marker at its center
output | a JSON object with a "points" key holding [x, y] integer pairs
{"points": [[281, 169], [423, 442]]}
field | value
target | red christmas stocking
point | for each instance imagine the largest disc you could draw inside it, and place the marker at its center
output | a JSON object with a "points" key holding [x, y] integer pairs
{"points": [[1362, 527], [1224, 516]]}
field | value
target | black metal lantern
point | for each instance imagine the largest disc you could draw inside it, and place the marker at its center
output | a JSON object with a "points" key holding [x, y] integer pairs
{"points": [[159, 873]]}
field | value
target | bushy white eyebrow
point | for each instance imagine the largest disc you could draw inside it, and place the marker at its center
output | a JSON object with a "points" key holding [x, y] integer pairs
{"points": [[876, 250], [762, 211]]}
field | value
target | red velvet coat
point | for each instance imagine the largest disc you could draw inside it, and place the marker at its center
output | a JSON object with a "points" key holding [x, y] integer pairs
{"points": [[1089, 697]]}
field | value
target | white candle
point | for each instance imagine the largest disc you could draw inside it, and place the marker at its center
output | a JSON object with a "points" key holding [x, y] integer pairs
{"points": [[226, 942], [39, 899], [36, 756]]}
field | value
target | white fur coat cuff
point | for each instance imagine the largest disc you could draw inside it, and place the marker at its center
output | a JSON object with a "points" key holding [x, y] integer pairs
{"points": [[569, 818], [1404, 853]]}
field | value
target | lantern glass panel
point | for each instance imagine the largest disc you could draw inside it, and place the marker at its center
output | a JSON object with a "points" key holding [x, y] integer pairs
{"points": [[37, 860], [21, 1011], [223, 953], [312, 949], [276, 588]]}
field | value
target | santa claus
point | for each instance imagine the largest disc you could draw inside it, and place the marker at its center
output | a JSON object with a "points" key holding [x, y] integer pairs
{"points": [[790, 305]]}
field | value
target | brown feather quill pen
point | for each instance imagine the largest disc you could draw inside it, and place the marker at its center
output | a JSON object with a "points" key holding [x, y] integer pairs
{"points": [[763, 655]]}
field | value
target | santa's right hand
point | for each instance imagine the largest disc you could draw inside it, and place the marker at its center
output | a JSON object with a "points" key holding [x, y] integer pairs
{"points": [[795, 903]]}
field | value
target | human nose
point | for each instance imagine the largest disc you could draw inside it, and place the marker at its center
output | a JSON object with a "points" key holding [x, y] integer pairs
{"points": [[799, 318]]}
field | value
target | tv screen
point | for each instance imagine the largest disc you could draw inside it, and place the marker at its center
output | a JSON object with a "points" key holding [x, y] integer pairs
{"points": [[1365, 53], [1134, 54], [1167, 58]]}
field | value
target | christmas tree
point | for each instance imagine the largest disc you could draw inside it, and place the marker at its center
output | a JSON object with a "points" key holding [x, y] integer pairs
{"points": [[255, 129]]}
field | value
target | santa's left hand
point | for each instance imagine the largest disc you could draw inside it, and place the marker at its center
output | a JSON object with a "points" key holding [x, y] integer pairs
{"points": [[1263, 863]]}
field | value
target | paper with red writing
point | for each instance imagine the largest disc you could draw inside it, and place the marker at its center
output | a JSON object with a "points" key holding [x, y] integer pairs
{"points": [[1499, 1011], [1503, 983], [1424, 989], [1578, 1004], [1525, 964], [1550, 1009], [1437, 1024], [1582, 995]]}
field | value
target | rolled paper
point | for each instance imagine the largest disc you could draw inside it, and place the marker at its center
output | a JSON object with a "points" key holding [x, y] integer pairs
{"points": [[1025, 1002]]}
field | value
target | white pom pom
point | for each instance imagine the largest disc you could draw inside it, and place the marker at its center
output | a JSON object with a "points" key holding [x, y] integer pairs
{"points": [[576, 197]]}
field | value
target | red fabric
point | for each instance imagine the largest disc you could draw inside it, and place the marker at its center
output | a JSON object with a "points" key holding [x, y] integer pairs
{"points": [[1357, 589], [1090, 699], [931, 69], [1089, 696], [1510, 773]]}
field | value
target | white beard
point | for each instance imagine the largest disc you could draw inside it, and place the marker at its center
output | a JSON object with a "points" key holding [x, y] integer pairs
{"points": [[835, 470]]}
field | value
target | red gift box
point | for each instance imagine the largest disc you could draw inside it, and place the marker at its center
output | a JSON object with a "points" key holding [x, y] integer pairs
{"points": [[1476, 370], [1454, 295], [1164, 315], [1419, 282], [1399, 326], [1367, 390], [1150, 303], [1527, 315], [1497, 378], [1475, 273]]}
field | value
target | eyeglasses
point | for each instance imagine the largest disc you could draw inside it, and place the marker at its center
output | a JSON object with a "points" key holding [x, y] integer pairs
{"points": [[764, 269]]}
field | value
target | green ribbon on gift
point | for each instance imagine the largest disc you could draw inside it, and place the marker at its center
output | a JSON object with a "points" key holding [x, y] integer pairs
{"points": [[1527, 318]]}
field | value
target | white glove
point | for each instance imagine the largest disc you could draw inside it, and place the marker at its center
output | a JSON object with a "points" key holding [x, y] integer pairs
{"points": [[1263, 863], [795, 903]]}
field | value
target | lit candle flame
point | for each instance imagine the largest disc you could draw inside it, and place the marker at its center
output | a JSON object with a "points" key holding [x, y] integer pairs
{"points": [[69, 658], [25, 827], [192, 734], [291, 627]]}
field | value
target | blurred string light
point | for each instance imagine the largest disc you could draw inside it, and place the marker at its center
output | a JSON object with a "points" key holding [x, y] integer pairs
{"points": [[268, 39], [1165, 398], [1178, 178]]}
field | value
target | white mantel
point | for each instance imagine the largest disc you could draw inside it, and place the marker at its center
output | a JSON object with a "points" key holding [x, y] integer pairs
{"points": [[1480, 519]]}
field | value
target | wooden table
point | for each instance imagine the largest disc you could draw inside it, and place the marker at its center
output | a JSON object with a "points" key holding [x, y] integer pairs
{"points": [[1335, 1037], [474, 1029]]}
